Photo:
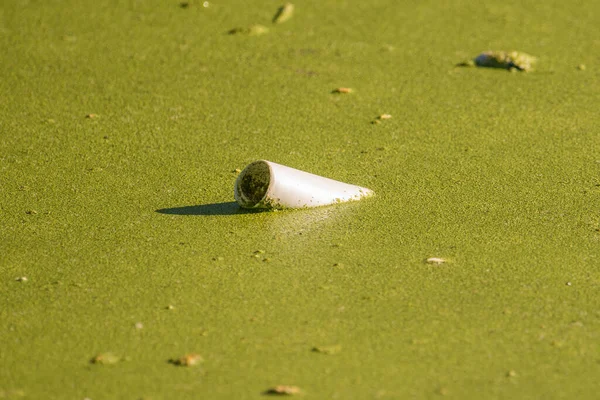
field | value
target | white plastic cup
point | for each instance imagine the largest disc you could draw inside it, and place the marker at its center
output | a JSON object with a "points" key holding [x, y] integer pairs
{"points": [[265, 184]]}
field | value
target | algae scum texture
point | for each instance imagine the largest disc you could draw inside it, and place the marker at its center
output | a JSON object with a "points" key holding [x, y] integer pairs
{"points": [[120, 238]]}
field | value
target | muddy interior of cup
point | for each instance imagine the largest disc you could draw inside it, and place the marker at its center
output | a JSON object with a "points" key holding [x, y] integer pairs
{"points": [[253, 183]]}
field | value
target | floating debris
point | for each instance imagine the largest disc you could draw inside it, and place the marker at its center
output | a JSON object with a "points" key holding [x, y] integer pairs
{"points": [[380, 118], [95, 169], [253, 30], [265, 184], [334, 349], [106, 359], [509, 60], [435, 260], [284, 13], [284, 390], [342, 90], [189, 360], [188, 4]]}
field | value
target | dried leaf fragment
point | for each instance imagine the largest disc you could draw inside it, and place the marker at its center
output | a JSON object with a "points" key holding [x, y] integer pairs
{"points": [[381, 118], [284, 13], [188, 360], [343, 90], [106, 359], [284, 390], [252, 30]]}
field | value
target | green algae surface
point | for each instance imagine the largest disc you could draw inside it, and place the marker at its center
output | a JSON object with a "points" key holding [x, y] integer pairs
{"points": [[124, 227]]}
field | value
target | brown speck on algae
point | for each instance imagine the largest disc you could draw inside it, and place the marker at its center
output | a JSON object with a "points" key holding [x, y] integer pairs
{"points": [[106, 359], [380, 118], [342, 90], [188, 360], [334, 349], [252, 30], [283, 390]]}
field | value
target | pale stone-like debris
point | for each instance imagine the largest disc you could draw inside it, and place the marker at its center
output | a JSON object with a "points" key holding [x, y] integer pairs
{"points": [[106, 359], [284, 13], [284, 390], [252, 30], [343, 90], [188, 360], [435, 260], [510, 60]]}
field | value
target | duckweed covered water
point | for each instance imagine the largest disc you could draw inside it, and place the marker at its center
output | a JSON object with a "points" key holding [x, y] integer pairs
{"points": [[497, 172]]}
